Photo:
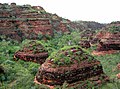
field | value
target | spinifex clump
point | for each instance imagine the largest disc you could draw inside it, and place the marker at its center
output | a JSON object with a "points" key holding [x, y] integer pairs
{"points": [[71, 65], [32, 51]]}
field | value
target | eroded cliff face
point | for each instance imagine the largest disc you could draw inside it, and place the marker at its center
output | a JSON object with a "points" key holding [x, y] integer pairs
{"points": [[7, 28], [31, 22], [109, 39], [109, 42]]}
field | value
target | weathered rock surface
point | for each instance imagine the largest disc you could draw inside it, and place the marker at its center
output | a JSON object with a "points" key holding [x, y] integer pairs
{"points": [[109, 42], [73, 66], [31, 22], [109, 38], [32, 51]]}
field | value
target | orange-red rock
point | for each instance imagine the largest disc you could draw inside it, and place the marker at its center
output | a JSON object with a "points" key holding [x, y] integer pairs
{"points": [[72, 65], [31, 21], [32, 51], [109, 39]]}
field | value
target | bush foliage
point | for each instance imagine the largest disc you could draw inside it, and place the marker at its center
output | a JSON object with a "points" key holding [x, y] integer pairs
{"points": [[20, 74]]}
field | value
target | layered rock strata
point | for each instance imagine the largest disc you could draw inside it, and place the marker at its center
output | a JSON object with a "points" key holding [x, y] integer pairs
{"points": [[29, 22], [109, 39], [73, 66], [33, 51]]}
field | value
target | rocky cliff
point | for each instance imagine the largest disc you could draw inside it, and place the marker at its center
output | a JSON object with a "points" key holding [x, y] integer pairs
{"points": [[31, 22]]}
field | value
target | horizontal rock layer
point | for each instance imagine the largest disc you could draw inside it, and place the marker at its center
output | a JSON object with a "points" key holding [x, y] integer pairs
{"points": [[81, 69]]}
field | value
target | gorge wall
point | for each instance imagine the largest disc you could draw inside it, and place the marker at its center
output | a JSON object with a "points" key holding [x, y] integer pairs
{"points": [[31, 22]]}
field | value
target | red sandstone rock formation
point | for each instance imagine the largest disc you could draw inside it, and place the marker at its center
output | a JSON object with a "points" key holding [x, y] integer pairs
{"points": [[32, 52], [109, 42], [109, 39], [31, 21], [73, 66]]}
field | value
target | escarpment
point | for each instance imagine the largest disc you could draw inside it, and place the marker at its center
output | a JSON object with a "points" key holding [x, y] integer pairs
{"points": [[21, 22]]}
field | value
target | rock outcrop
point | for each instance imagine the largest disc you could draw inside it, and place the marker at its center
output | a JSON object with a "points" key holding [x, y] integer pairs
{"points": [[71, 65], [32, 51], [31, 22], [109, 42], [109, 39]]}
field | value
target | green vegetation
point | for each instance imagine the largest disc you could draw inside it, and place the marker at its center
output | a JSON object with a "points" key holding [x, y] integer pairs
{"points": [[109, 63], [66, 55], [20, 74], [34, 46], [114, 29], [60, 58]]}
